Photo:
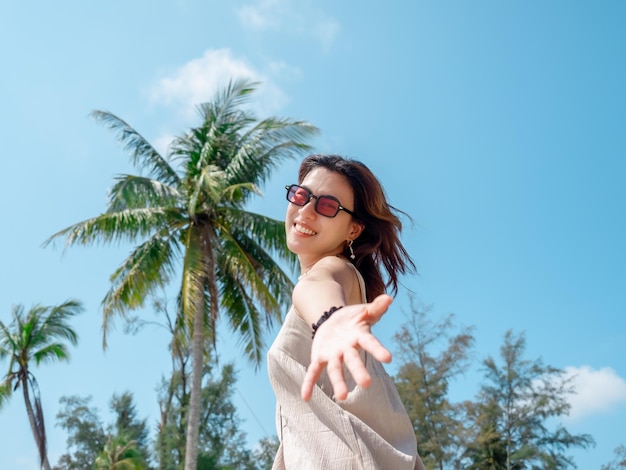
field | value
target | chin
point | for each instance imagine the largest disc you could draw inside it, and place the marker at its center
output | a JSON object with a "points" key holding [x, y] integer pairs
{"points": [[293, 247]]}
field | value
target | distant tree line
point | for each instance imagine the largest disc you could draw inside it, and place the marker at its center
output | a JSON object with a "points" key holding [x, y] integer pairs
{"points": [[512, 423], [125, 444]]}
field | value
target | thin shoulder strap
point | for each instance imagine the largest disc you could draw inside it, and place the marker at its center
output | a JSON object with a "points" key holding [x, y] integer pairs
{"points": [[363, 300], [361, 283]]}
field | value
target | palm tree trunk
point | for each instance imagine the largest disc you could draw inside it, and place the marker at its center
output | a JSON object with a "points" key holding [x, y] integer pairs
{"points": [[197, 345], [39, 432], [193, 412]]}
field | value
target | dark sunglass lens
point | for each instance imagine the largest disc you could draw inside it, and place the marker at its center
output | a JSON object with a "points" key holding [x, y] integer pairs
{"points": [[298, 195], [327, 206]]}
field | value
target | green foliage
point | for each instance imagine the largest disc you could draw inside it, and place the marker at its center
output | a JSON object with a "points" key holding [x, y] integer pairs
{"points": [[431, 355], [129, 426], [86, 434], [514, 407], [221, 442], [264, 454], [123, 445], [35, 336], [120, 453], [513, 422]]}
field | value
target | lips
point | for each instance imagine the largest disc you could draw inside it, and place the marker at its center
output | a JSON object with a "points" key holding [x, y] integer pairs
{"points": [[301, 229]]}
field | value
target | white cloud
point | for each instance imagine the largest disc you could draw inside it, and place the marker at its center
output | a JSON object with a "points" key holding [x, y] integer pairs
{"points": [[597, 391], [263, 15], [197, 81], [303, 18], [326, 30]]}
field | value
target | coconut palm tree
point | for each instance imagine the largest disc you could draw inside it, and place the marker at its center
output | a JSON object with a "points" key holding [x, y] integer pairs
{"points": [[189, 213], [120, 453], [35, 336]]}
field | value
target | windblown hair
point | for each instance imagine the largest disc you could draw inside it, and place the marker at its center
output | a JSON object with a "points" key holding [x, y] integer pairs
{"points": [[379, 246]]}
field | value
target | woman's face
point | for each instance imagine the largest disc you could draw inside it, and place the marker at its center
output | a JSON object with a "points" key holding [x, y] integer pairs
{"points": [[311, 235]]}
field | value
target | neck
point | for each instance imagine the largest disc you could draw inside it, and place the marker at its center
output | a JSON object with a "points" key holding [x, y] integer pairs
{"points": [[307, 265]]}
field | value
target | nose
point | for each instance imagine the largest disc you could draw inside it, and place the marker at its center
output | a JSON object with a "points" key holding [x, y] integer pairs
{"points": [[308, 209]]}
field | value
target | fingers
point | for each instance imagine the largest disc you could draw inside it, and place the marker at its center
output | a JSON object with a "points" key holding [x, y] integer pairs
{"points": [[382, 301], [377, 307], [310, 379], [357, 369], [353, 362], [335, 374], [371, 344]]}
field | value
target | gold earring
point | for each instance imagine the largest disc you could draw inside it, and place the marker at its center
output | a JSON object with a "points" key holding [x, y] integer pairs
{"points": [[350, 242]]}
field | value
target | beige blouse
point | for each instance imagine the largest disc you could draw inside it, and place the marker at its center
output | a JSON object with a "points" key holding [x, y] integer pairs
{"points": [[368, 430]]}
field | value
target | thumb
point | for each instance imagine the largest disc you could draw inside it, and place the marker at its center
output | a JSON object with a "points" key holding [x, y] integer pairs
{"points": [[377, 307]]}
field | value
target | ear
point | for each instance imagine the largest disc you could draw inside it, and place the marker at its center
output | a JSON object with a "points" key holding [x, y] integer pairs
{"points": [[355, 230]]}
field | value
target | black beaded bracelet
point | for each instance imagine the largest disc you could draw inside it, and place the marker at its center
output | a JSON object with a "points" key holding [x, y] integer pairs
{"points": [[325, 316]]}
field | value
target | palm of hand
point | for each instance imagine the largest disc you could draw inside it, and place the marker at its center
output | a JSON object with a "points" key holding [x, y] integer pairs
{"points": [[338, 342]]}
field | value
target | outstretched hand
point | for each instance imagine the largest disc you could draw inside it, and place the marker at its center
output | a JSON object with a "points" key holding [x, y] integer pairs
{"points": [[339, 340]]}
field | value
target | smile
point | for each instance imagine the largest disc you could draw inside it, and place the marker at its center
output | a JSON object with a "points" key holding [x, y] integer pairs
{"points": [[301, 229]]}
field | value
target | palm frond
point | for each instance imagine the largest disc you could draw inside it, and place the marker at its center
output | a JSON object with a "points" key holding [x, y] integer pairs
{"points": [[206, 190], [245, 259], [210, 316], [19, 317], [226, 107], [28, 331], [148, 266], [125, 225], [51, 352], [56, 323], [6, 390], [269, 233], [192, 292], [211, 193], [7, 342], [244, 317], [250, 283], [187, 150], [132, 191], [143, 154], [278, 283], [39, 427], [214, 141], [266, 145], [239, 264], [235, 194]]}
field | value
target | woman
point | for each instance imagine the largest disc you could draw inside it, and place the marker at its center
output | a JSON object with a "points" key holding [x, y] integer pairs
{"points": [[348, 416]]}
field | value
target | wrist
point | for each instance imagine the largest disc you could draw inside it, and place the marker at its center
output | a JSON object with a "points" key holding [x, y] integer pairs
{"points": [[325, 316]]}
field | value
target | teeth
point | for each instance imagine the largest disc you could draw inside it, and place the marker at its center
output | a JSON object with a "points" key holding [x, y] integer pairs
{"points": [[304, 230]]}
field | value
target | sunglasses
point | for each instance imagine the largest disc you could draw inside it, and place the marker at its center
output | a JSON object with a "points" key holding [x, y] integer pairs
{"points": [[328, 206]]}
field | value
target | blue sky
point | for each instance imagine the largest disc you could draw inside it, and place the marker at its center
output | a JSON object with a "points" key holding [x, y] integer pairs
{"points": [[498, 126]]}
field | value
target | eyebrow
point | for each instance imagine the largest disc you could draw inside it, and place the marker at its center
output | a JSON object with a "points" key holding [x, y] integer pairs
{"points": [[318, 195]]}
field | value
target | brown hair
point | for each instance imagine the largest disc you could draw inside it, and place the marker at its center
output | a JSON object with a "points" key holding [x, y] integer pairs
{"points": [[379, 244]]}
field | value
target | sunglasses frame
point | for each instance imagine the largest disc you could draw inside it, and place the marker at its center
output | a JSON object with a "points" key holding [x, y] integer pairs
{"points": [[310, 196]]}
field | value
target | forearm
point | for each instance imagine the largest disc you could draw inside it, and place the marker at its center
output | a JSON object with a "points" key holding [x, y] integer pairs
{"points": [[312, 297]]}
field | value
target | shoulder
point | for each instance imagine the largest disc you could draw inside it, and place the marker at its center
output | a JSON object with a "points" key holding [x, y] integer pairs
{"points": [[333, 268], [331, 265]]}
